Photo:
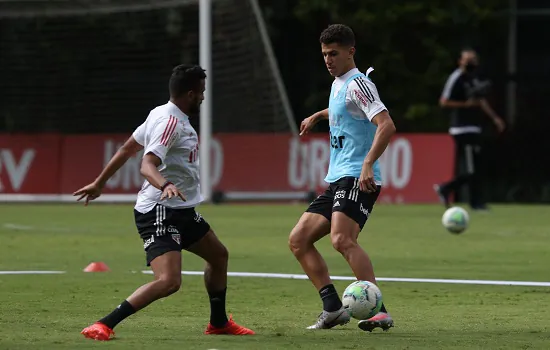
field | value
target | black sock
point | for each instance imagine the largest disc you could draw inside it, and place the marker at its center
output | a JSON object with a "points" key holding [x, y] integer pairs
{"points": [[218, 317], [122, 311], [383, 308], [330, 298]]}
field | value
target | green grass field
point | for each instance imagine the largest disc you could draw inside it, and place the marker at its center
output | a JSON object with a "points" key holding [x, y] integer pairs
{"points": [[48, 311]]}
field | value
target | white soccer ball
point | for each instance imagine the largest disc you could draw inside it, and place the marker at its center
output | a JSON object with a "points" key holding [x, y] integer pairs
{"points": [[455, 219], [362, 299]]}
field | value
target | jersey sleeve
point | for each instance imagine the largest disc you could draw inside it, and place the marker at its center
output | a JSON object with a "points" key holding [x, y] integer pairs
{"points": [[451, 90], [163, 134], [139, 134], [364, 95]]}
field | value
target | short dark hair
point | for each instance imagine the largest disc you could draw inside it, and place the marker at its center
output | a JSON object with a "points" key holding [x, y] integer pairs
{"points": [[466, 49], [185, 77], [338, 33]]}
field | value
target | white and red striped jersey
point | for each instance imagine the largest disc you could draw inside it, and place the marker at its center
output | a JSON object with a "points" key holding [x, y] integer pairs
{"points": [[362, 98], [168, 134]]}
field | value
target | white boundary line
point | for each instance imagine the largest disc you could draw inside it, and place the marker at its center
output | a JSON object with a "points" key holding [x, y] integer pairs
{"points": [[336, 278], [382, 279], [31, 272]]}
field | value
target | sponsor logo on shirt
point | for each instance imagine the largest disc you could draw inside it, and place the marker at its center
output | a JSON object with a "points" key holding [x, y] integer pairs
{"points": [[361, 97]]}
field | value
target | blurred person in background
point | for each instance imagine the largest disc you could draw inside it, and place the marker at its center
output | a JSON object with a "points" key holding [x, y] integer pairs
{"points": [[464, 96]]}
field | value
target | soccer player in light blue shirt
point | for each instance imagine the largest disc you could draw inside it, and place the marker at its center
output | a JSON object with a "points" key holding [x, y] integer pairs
{"points": [[360, 130]]}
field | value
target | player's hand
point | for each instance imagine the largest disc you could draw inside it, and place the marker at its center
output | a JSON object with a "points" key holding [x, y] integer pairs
{"points": [[171, 191], [366, 179], [308, 124], [90, 192], [500, 125]]}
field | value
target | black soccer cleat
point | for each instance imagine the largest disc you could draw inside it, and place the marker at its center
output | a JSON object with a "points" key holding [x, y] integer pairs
{"points": [[443, 195]]}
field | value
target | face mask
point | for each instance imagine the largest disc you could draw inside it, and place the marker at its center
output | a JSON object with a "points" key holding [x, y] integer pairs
{"points": [[471, 67]]}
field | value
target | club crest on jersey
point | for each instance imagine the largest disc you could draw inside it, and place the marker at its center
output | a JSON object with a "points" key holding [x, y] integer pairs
{"points": [[177, 238]]}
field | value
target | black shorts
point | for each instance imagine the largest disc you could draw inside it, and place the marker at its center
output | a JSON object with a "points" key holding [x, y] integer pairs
{"points": [[166, 229], [345, 196]]}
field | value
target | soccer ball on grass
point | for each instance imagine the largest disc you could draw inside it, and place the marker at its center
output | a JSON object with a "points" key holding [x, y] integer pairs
{"points": [[362, 299], [455, 219]]}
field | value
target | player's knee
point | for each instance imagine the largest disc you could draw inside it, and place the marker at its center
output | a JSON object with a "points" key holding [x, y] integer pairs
{"points": [[342, 243], [298, 240], [223, 254], [219, 257], [169, 284]]}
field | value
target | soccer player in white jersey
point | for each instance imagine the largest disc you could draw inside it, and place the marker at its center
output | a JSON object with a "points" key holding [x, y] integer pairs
{"points": [[360, 130], [164, 212]]}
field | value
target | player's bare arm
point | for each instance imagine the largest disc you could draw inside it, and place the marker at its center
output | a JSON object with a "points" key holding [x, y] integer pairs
{"points": [[93, 190], [486, 107], [322, 115], [149, 170], [384, 132], [309, 122], [446, 103]]}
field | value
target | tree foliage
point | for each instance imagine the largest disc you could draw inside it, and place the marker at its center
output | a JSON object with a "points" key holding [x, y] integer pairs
{"points": [[413, 46]]}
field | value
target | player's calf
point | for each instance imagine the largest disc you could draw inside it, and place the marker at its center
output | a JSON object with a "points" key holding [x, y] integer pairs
{"points": [[344, 239], [167, 269], [343, 236], [143, 296], [356, 257], [216, 256], [310, 228], [215, 280]]}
